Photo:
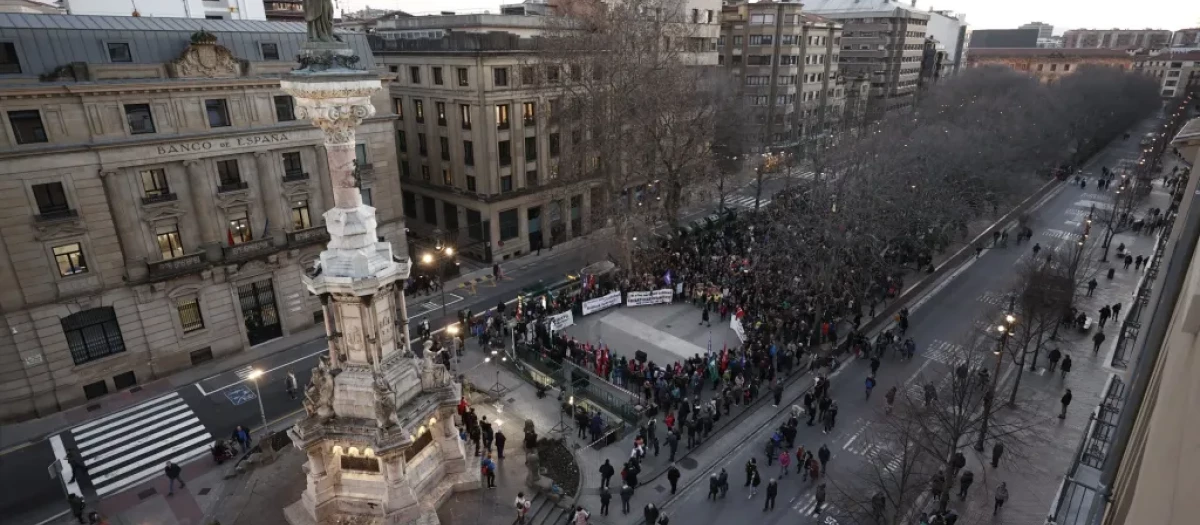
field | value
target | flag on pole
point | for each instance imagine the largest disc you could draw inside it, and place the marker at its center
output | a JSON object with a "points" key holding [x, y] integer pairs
{"points": [[709, 341]]}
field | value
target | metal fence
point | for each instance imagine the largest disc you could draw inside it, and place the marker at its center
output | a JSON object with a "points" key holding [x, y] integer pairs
{"points": [[1132, 324], [1097, 439]]}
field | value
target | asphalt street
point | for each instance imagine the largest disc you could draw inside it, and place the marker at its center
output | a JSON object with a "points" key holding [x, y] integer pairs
{"points": [[957, 308]]}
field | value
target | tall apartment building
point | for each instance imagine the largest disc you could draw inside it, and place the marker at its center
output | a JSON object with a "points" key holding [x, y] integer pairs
{"points": [[160, 200], [1044, 30], [1189, 37], [883, 40], [949, 29], [284, 10], [206, 9], [785, 63], [1116, 38], [1177, 73]]}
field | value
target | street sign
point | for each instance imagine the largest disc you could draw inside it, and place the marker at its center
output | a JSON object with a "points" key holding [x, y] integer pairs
{"points": [[239, 395]]}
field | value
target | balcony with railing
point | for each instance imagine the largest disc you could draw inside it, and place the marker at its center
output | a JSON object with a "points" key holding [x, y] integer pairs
{"points": [[177, 266], [249, 249], [227, 187], [57, 214], [314, 235], [161, 197], [293, 176]]}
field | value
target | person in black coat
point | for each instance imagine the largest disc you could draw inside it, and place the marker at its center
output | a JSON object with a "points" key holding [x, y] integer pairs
{"points": [[606, 473], [772, 491], [500, 439], [673, 477], [605, 498]]}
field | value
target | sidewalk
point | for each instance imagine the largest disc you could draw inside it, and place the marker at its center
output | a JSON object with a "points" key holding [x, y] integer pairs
{"points": [[1048, 446], [19, 435]]}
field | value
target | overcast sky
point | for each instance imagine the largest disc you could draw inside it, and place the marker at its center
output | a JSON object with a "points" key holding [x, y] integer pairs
{"points": [[981, 14]]}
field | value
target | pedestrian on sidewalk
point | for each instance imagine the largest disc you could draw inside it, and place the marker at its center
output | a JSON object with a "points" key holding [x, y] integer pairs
{"points": [[997, 451], [1066, 366], [650, 513], [500, 439], [673, 477], [964, 483], [754, 483], [704, 317], [1001, 497], [785, 460], [77, 505], [777, 391], [581, 516], [1055, 355], [1137, 262], [1092, 284], [1066, 400], [672, 443], [522, 507], [173, 472], [1036, 248], [824, 455], [1097, 340], [1116, 312], [714, 486], [605, 499], [751, 471], [488, 468], [1105, 312], [772, 491], [78, 469], [820, 499], [289, 383], [626, 495], [606, 473], [488, 433], [242, 437], [1128, 261]]}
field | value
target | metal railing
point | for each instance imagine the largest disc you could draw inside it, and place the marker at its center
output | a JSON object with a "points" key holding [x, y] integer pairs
{"points": [[249, 249], [307, 236], [177, 266], [1097, 439]]}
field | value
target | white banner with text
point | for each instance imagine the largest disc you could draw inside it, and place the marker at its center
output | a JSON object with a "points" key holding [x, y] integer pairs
{"points": [[592, 306], [561, 321], [664, 296]]}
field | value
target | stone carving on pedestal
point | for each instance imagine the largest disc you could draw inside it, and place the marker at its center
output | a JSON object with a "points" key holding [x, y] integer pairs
{"points": [[205, 59], [385, 405], [318, 396], [51, 231]]}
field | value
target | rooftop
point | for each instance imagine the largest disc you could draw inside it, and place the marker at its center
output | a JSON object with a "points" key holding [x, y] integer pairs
{"points": [[1166, 54], [846, 7], [1046, 52]]}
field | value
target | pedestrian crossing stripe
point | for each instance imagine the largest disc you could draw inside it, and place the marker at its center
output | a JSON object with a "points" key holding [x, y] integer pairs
{"points": [[744, 201], [944, 352], [993, 298], [132, 445], [244, 372], [808, 503]]}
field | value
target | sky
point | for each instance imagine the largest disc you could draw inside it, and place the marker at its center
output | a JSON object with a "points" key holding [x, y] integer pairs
{"points": [[981, 14]]}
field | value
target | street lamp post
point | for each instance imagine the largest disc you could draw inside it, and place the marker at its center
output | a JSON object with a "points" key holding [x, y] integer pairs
{"points": [[253, 377], [443, 252], [1005, 331]]}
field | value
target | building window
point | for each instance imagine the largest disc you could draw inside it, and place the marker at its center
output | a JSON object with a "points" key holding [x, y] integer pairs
{"points": [[168, 242], [429, 206], [239, 228], [465, 111], [554, 145], [450, 217], [419, 109], [737, 41], [399, 103], [555, 110], [414, 74], [218, 112], [9, 63], [409, 201], [462, 77], [468, 153], [154, 183], [437, 76], [506, 184], [285, 108], [1067, 67], [761, 40], [505, 150], [531, 180], [425, 173], [502, 116], [447, 177], [189, 314], [509, 228], [500, 76], [758, 60], [422, 145], [401, 141], [93, 334], [405, 171], [139, 118], [530, 149], [552, 74], [293, 168], [471, 183], [300, 215], [27, 126], [360, 154], [529, 113], [69, 258], [528, 77], [118, 52], [51, 199], [365, 193], [441, 112], [228, 173], [270, 50], [444, 144], [474, 225]]}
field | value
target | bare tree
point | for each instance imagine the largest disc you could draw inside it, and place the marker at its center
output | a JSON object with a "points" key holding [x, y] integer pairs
{"points": [[889, 488]]}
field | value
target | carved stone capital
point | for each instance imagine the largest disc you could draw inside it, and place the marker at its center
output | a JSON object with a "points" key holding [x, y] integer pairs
{"points": [[337, 120], [336, 105]]}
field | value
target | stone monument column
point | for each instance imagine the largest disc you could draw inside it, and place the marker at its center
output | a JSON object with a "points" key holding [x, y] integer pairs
{"points": [[359, 401]]}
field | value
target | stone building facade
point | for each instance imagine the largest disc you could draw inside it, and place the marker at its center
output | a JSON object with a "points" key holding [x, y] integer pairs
{"points": [[1048, 64], [1117, 38], [159, 201], [1177, 73]]}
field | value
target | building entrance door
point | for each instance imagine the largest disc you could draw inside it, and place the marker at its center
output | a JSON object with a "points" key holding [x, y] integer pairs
{"points": [[259, 312]]}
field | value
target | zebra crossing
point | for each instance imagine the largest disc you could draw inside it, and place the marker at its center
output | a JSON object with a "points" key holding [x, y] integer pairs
{"points": [[132, 445], [944, 352], [745, 201], [806, 504], [1060, 234], [993, 298]]}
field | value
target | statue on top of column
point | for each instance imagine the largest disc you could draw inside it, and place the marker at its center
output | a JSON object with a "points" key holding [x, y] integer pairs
{"points": [[319, 16]]}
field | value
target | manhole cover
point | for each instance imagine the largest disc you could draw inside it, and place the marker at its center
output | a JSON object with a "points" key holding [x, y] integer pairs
{"points": [[688, 464], [660, 489]]}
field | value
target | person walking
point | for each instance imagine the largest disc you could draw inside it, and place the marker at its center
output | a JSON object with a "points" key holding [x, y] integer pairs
{"points": [[173, 472], [964, 483], [714, 486], [1001, 497], [626, 495], [650, 513], [820, 499], [1092, 286], [785, 460], [242, 437], [1116, 312], [672, 443], [522, 505], [500, 439], [1097, 340], [289, 383], [824, 455], [1128, 261], [488, 468], [605, 499], [1055, 356], [487, 433], [751, 470], [1104, 313], [581, 516], [606, 473], [777, 392], [1066, 366], [673, 477], [77, 505], [754, 483], [772, 491], [997, 451], [78, 468], [1066, 400], [814, 468], [704, 317]]}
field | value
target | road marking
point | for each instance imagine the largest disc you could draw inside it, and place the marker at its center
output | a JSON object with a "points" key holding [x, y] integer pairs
{"points": [[241, 379], [65, 471]]}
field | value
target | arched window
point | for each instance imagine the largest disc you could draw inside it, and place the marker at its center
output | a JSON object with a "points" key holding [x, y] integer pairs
{"points": [[93, 334]]}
